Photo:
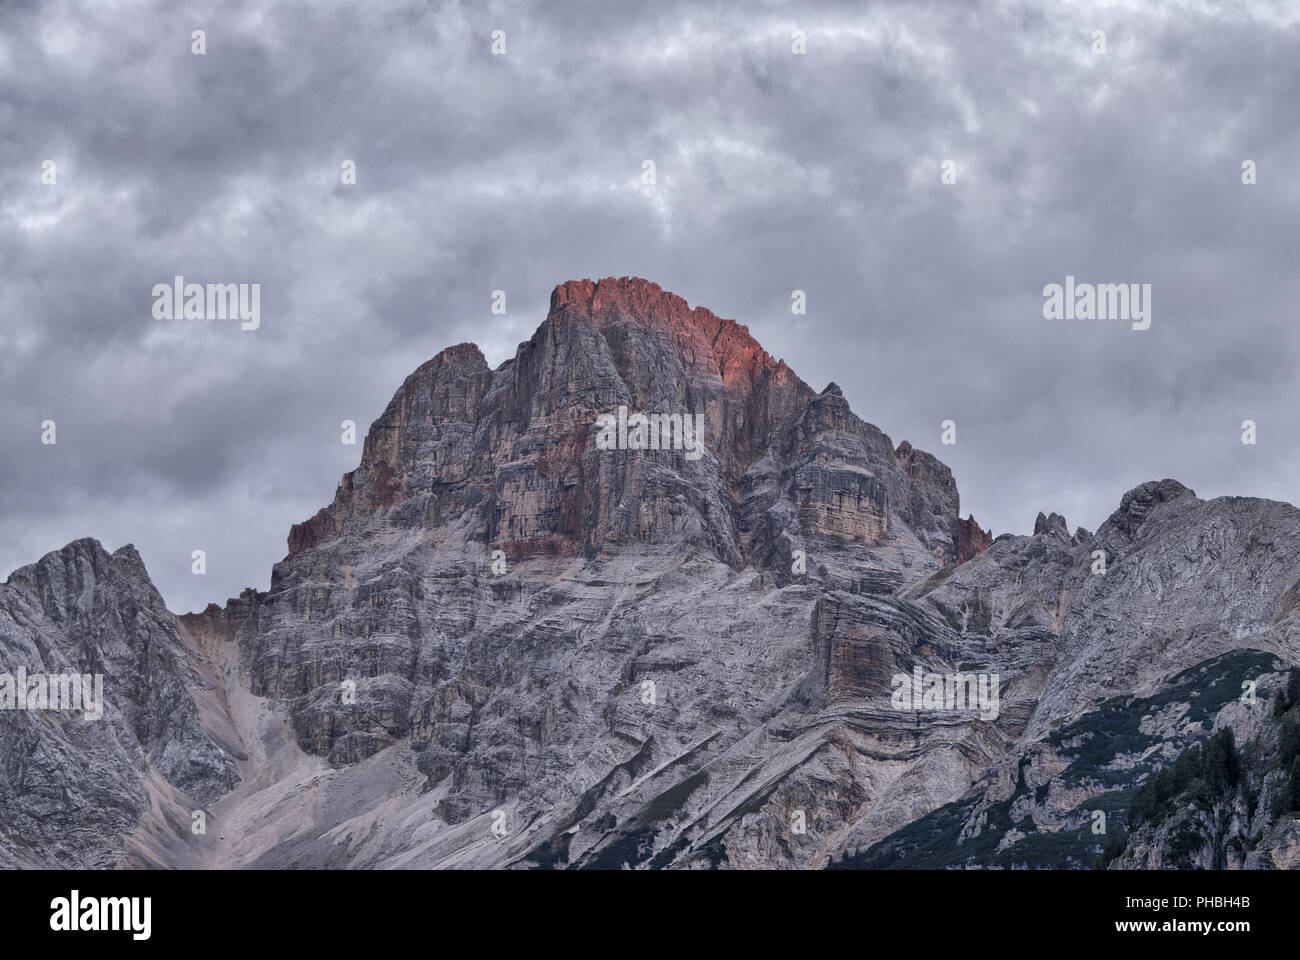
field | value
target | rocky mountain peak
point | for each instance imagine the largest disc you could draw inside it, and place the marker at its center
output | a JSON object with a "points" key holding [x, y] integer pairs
{"points": [[65, 579], [493, 584], [1048, 524], [707, 346], [1141, 502], [972, 539], [509, 459]]}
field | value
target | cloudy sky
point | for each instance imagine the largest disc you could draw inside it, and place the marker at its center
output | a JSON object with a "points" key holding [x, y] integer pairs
{"points": [[774, 172]]}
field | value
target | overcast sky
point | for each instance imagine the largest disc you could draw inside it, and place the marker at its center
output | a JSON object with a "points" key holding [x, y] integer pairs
{"points": [[774, 172]]}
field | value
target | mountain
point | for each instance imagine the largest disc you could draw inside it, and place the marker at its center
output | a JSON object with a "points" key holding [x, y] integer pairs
{"points": [[88, 792], [504, 644]]}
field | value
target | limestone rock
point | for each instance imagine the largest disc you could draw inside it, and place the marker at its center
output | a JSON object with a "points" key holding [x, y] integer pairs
{"points": [[504, 645]]}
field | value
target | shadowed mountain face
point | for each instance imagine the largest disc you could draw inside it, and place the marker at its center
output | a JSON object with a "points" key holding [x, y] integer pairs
{"points": [[506, 644]]}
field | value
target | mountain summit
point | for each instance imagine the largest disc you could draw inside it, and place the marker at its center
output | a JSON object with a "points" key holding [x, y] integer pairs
{"points": [[509, 454], [537, 626]]}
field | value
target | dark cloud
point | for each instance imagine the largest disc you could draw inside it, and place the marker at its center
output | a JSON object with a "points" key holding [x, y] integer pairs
{"points": [[775, 172]]}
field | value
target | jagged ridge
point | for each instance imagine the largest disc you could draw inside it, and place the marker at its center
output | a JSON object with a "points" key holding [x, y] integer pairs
{"points": [[397, 686]]}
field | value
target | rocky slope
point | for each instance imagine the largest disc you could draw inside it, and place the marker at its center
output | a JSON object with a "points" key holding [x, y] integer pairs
{"points": [[72, 787], [1071, 800], [502, 645], [1222, 805]]}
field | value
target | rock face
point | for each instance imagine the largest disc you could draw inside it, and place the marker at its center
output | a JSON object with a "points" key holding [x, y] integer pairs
{"points": [[72, 786], [505, 644], [1068, 800], [971, 539], [510, 453]]}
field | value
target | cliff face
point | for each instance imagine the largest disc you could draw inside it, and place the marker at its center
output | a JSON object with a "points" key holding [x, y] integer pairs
{"points": [[1189, 631], [971, 539], [505, 644], [73, 785], [510, 453]]}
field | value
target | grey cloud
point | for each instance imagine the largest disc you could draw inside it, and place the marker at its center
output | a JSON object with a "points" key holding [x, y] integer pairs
{"points": [[775, 172]]}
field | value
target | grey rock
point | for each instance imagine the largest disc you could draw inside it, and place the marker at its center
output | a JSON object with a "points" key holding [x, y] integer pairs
{"points": [[500, 646]]}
